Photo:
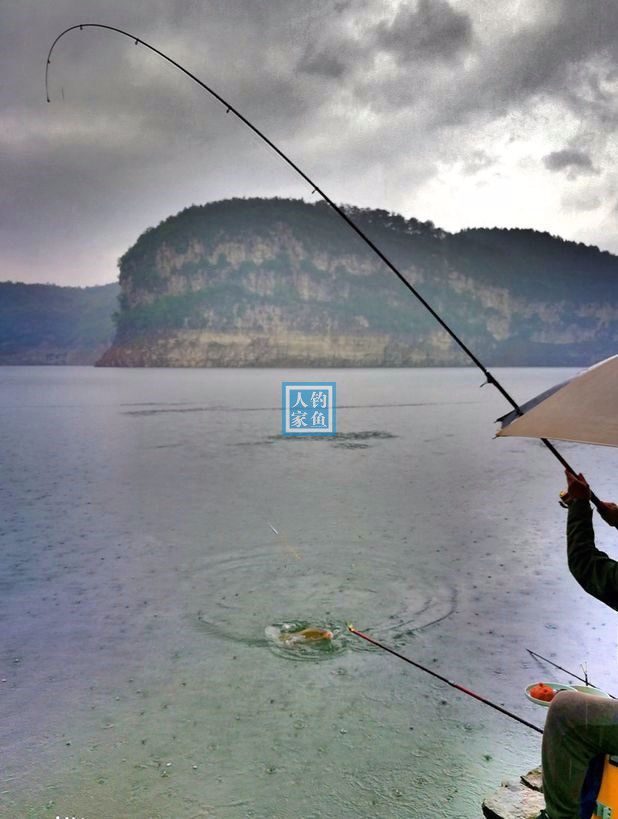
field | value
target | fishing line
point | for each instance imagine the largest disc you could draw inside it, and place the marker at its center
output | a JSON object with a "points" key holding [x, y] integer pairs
{"points": [[229, 108], [284, 542], [435, 674]]}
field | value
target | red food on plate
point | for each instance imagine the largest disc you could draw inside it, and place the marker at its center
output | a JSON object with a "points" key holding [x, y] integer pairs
{"points": [[540, 691]]}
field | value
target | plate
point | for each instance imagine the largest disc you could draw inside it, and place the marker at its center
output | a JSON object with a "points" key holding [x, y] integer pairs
{"points": [[590, 689], [554, 685]]}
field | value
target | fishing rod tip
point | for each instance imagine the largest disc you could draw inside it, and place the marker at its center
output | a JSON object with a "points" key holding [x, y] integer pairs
{"points": [[350, 627]]}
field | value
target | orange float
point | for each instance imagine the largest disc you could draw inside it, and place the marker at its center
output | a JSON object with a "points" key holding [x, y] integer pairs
{"points": [[543, 692]]}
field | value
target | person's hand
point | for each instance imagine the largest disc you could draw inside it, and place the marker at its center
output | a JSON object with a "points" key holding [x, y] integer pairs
{"points": [[609, 512], [578, 488]]}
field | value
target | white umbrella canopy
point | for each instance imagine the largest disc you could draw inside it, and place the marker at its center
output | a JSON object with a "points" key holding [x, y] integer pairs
{"points": [[582, 409]]}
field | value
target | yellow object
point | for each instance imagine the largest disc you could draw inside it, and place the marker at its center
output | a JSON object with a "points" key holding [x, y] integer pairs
{"points": [[311, 633], [316, 634], [607, 800]]}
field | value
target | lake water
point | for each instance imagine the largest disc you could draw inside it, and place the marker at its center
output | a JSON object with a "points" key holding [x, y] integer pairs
{"points": [[140, 574]]}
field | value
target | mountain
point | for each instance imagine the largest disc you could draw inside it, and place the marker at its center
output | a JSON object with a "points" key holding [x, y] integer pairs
{"points": [[48, 324], [277, 282]]}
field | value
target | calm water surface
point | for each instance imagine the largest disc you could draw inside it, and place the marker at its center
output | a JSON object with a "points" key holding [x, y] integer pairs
{"points": [[141, 578]]}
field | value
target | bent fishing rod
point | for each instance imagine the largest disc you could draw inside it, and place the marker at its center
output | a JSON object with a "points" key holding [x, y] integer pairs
{"points": [[455, 685], [490, 379]]}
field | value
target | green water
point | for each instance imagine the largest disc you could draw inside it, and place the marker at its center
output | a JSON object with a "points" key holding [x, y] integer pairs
{"points": [[156, 527]]}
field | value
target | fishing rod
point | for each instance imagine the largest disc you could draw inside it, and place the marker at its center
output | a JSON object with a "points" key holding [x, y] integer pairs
{"points": [[435, 674], [338, 210], [566, 671]]}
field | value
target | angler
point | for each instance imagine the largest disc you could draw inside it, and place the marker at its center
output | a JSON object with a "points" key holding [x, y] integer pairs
{"points": [[581, 730]]}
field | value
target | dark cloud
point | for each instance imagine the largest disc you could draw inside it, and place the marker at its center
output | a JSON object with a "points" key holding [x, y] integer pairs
{"points": [[571, 160], [566, 54], [430, 30], [374, 100], [564, 50], [427, 30], [325, 62]]}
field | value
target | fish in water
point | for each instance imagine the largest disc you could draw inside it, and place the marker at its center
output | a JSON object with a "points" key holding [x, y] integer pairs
{"points": [[306, 634]]}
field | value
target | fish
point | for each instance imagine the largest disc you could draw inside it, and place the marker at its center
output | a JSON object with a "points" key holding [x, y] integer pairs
{"points": [[311, 633]]}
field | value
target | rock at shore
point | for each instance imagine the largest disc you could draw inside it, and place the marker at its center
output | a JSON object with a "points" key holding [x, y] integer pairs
{"points": [[521, 799]]}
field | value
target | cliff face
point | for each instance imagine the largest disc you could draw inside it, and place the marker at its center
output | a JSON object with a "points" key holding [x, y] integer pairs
{"points": [[283, 283]]}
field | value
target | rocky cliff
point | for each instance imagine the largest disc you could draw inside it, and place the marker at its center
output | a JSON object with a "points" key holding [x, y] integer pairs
{"points": [[284, 283]]}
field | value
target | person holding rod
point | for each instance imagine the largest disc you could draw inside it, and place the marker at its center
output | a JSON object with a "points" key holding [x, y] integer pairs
{"points": [[581, 729]]}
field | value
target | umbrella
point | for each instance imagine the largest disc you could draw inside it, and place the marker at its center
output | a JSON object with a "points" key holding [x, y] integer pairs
{"points": [[583, 409]]}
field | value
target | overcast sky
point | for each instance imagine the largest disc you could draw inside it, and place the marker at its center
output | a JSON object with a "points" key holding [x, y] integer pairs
{"points": [[466, 112]]}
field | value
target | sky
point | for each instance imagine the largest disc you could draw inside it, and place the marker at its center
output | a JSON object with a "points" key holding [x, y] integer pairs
{"points": [[466, 112]]}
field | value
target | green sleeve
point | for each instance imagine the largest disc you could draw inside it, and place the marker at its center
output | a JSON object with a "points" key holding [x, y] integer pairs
{"points": [[595, 572]]}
